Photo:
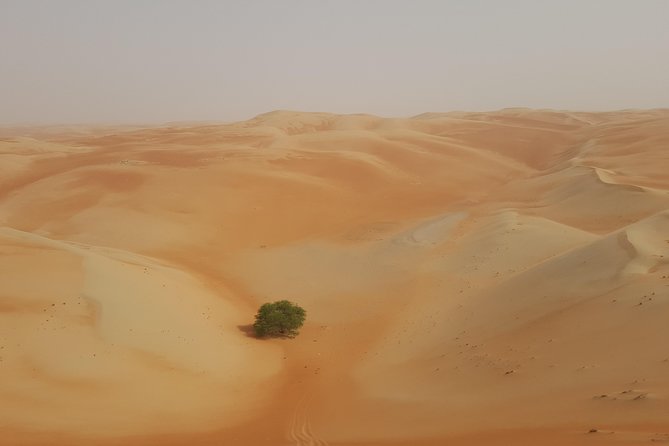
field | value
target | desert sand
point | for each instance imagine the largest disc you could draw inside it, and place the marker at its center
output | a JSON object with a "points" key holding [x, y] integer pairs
{"points": [[495, 278]]}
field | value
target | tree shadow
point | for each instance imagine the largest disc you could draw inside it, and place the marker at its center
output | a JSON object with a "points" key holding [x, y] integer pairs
{"points": [[248, 330]]}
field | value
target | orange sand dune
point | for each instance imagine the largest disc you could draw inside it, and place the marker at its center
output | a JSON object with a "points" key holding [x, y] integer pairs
{"points": [[491, 278]]}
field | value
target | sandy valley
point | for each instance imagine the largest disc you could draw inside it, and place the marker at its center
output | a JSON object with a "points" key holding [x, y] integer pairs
{"points": [[494, 278]]}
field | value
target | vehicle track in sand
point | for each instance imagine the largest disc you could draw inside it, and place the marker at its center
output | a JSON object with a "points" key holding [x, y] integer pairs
{"points": [[300, 432]]}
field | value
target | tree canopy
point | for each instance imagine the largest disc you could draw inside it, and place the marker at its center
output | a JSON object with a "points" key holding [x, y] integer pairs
{"points": [[280, 318]]}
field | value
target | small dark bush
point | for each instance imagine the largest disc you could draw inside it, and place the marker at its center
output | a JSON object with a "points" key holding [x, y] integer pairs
{"points": [[281, 318]]}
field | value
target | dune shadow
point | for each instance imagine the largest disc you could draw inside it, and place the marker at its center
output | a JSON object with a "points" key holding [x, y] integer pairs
{"points": [[247, 330]]}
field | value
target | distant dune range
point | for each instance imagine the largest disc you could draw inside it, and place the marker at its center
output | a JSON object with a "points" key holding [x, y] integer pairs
{"points": [[494, 278]]}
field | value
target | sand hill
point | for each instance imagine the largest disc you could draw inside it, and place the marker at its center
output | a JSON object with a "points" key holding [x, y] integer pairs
{"points": [[470, 279]]}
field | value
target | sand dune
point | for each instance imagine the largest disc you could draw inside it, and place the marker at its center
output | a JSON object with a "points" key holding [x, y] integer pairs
{"points": [[470, 279], [103, 341]]}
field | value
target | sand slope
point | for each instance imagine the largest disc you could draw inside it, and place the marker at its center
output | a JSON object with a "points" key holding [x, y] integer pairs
{"points": [[470, 279], [101, 341]]}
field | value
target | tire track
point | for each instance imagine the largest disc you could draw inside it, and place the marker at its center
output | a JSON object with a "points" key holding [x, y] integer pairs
{"points": [[300, 432]]}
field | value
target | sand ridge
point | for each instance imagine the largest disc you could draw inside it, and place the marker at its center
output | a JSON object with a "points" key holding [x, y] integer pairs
{"points": [[469, 278]]}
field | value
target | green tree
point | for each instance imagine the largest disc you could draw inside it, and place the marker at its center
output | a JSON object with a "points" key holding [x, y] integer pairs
{"points": [[280, 318]]}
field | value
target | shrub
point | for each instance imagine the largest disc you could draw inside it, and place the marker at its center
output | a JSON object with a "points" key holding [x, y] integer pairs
{"points": [[281, 318]]}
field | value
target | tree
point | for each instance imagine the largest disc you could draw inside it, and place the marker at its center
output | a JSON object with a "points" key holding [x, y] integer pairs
{"points": [[280, 318]]}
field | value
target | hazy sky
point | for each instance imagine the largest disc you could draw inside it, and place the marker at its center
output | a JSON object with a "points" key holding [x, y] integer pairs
{"points": [[65, 61]]}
